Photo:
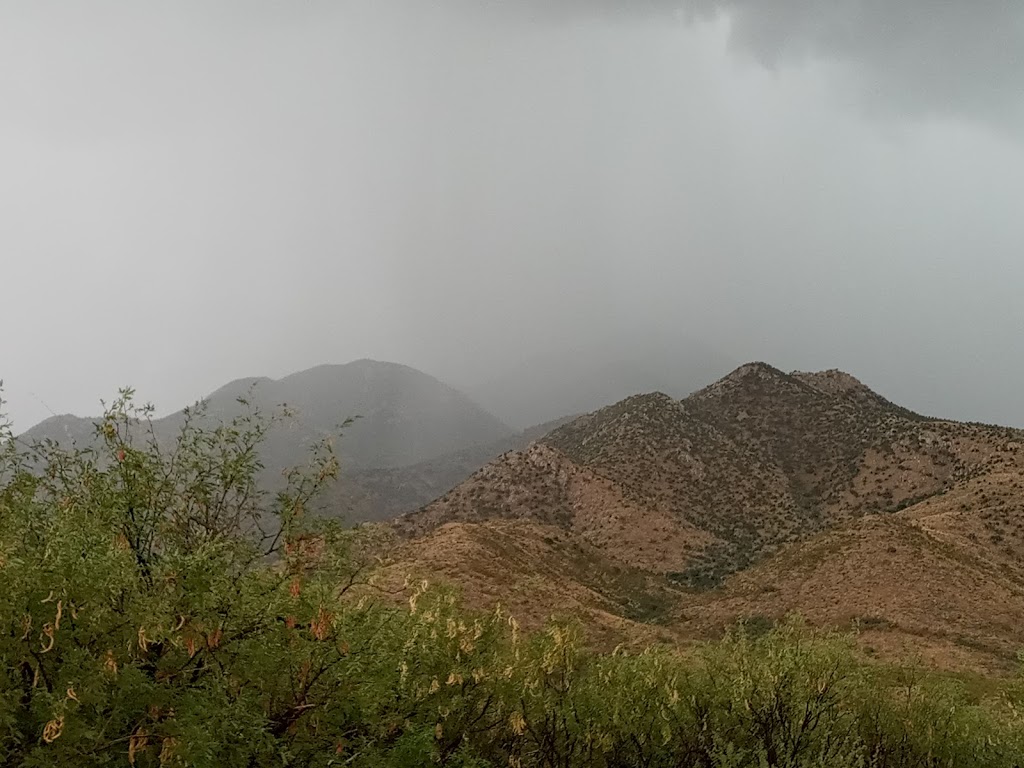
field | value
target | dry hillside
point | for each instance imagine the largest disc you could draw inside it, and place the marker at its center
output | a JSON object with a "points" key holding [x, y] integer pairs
{"points": [[762, 494], [384, 493]]}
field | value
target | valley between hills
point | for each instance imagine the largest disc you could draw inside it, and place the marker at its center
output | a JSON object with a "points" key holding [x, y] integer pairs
{"points": [[664, 520]]}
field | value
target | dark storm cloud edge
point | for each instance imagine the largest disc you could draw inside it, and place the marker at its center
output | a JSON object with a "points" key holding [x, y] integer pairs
{"points": [[917, 57], [959, 58]]}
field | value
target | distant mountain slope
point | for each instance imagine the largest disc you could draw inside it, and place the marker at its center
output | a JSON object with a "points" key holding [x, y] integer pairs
{"points": [[66, 430], [745, 473], [375, 494], [404, 416], [907, 590], [542, 486]]}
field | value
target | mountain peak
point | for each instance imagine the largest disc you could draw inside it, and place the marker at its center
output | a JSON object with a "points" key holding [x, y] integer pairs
{"points": [[759, 379], [837, 383], [752, 380], [756, 372], [239, 388], [66, 429], [755, 368], [404, 416], [65, 418], [818, 402], [364, 366]]}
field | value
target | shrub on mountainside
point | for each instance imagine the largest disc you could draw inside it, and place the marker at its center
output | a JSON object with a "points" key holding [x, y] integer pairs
{"points": [[158, 609]]}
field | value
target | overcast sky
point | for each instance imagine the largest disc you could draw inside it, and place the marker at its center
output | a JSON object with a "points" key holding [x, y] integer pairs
{"points": [[192, 192]]}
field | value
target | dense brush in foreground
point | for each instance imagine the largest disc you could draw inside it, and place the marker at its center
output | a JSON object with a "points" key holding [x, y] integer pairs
{"points": [[146, 619]]}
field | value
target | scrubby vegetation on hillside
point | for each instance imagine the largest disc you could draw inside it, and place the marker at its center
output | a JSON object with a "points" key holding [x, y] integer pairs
{"points": [[158, 609], [706, 502]]}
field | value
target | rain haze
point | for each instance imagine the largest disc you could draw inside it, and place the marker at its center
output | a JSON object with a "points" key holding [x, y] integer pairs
{"points": [[196, 192]]}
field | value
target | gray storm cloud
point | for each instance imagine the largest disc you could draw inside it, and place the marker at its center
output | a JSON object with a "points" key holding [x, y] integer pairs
{"points": [[946, 58], [911, 57], [198, 191]]}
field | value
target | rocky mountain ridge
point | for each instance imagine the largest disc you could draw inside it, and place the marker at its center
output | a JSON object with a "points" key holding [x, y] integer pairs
{"points": [[665, 514]]}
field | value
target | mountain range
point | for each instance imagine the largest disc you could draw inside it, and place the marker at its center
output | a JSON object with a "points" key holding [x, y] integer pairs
{"points": [[408, 436], [411, 438], [401, 416], [660, 518]]}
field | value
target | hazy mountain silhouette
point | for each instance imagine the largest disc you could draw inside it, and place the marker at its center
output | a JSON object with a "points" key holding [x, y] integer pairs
{"points": [[402, 416]]}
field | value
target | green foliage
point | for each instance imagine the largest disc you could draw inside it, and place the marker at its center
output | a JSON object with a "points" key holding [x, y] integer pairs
{"points": [[158, 609]]}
